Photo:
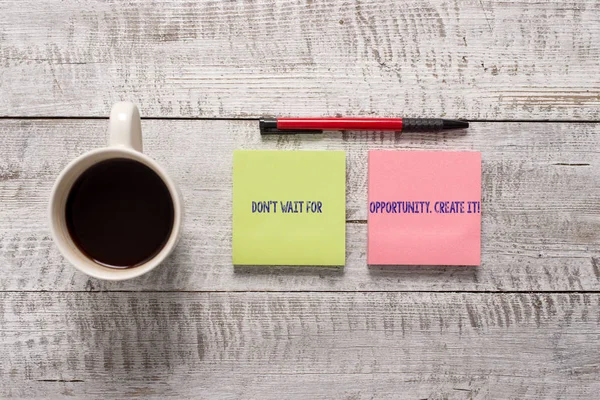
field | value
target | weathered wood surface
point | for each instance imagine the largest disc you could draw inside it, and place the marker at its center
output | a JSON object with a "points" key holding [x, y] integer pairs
{"points": [[477, 59], [541, 216], [300, 345], [199, 328]]}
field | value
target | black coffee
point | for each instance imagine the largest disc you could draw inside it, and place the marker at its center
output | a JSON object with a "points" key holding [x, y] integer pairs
{"points": [[120, 213]]}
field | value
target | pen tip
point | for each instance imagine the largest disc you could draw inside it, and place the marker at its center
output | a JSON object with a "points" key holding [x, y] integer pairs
{"points": [[455, 124]]}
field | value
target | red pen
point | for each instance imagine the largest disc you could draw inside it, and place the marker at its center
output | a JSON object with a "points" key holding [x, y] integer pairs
{"points": [[318, 125]]}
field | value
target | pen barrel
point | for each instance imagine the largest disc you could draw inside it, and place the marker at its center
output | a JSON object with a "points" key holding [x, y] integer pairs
{"points": [[422, 124], [340, 124]]}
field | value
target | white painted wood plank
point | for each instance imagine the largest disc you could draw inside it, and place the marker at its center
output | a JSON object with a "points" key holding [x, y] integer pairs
{"points": [[477, 59], [541, 216], [300, 345]]}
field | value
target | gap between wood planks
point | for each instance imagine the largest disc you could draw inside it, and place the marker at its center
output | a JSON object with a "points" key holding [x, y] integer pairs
{"points": [[62, 117], [530, 292]]}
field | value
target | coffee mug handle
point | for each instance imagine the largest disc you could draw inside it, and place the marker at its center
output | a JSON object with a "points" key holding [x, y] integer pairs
{"points": [[125, 127]]}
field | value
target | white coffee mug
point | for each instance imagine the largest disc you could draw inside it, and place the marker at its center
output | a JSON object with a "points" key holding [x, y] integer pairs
{"points": [[125, 141]]}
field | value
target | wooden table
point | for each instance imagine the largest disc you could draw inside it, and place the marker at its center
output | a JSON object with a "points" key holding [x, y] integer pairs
{"points": [[524, 325]]}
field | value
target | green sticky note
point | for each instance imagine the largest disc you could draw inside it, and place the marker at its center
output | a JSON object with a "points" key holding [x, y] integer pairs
{"points": [[289, 207]]}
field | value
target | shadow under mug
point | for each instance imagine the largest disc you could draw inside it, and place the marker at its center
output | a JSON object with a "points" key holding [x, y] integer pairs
{"points": [[125, 141]]}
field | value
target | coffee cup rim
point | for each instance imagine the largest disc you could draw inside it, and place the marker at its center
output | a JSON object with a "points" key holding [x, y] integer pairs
{"points": [[62, 238]]}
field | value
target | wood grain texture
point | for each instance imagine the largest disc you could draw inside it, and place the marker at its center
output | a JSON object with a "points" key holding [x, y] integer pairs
{"points": [[300, 345], [540, 229], [477, 59], [198, 327]]}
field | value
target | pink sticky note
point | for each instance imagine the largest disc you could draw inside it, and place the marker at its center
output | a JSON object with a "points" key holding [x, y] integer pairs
{"points": [[424, 208]]}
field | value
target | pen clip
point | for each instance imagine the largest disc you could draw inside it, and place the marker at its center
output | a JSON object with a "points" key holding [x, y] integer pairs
{"points": [[268, 126], [273, 131]]}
